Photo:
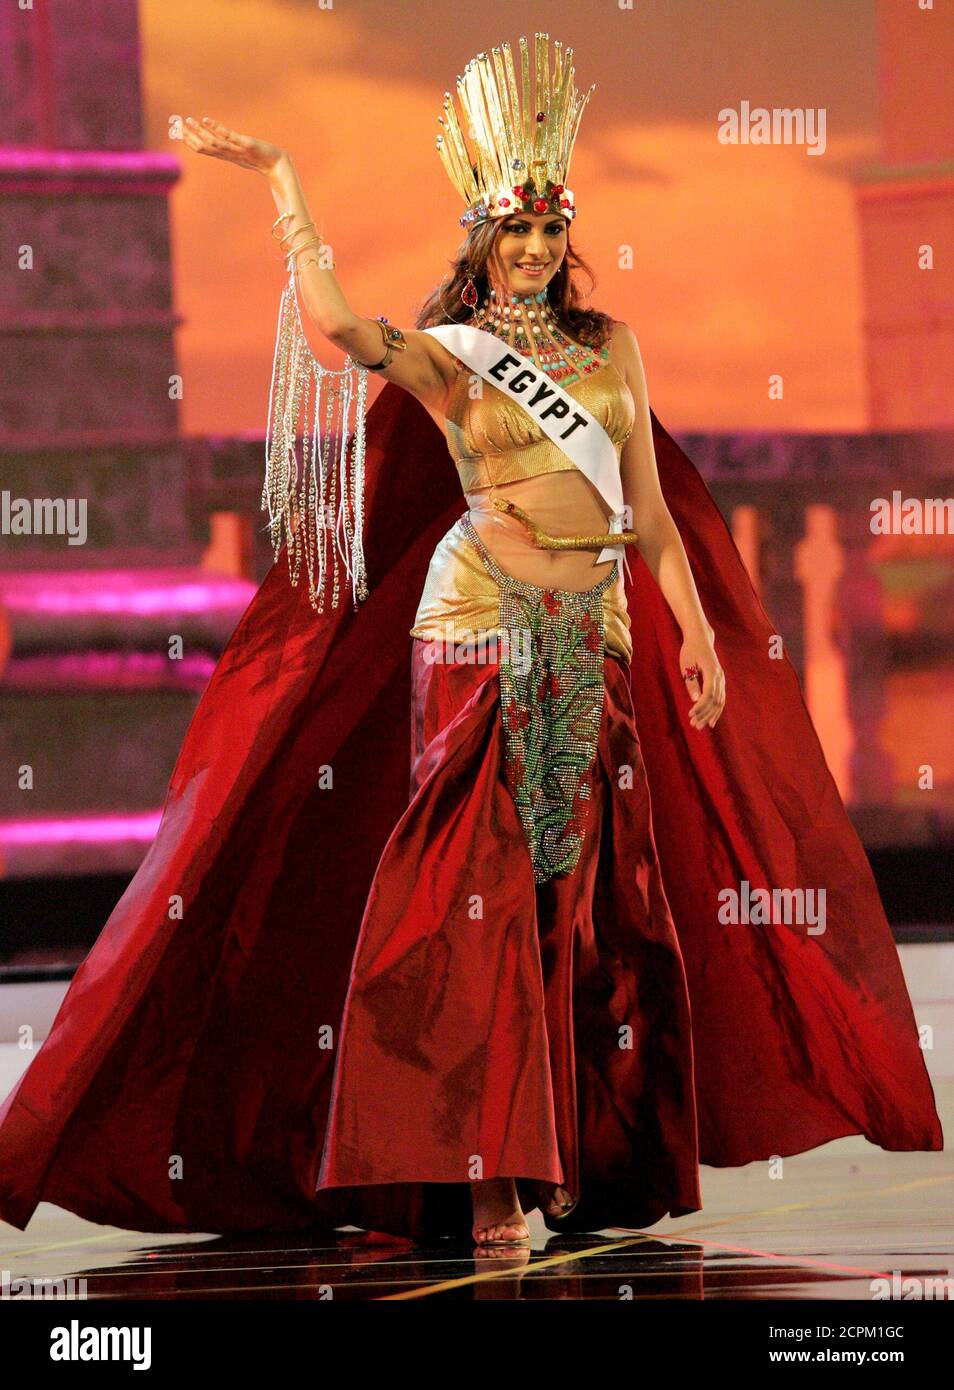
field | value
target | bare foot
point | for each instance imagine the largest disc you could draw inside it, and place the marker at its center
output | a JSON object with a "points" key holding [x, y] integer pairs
{"points": [[555, 1201], [498, 1217]]}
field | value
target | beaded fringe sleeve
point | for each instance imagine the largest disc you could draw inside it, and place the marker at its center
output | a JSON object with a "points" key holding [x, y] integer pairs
{"points": [[315, 494]]}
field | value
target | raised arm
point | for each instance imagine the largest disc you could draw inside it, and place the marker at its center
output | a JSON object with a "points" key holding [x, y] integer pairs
{"points": [[424, 367], [660, 543]]}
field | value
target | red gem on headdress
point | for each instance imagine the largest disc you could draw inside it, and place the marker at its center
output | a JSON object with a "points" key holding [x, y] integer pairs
{"points": [[557, 188], [520, 192], [540, 205], [541, 115], [504, 202], [565, 203]]}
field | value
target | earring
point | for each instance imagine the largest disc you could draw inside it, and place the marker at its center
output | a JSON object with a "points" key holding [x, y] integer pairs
{"points": [[469, 293]]}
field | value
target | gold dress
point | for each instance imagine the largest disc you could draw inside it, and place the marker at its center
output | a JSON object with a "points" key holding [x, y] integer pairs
{"points": [[494, 442]]}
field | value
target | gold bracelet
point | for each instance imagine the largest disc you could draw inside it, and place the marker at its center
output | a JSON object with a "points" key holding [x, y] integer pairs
{"points": [[313, 260], [280, 218], [296, 230], [394, 340], [315, 241]]}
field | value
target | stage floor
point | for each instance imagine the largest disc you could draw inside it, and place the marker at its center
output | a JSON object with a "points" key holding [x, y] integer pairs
{"points": [[837, 1219]]}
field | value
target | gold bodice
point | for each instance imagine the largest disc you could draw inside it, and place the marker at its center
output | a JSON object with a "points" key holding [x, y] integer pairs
{"points": [[492, 439]]}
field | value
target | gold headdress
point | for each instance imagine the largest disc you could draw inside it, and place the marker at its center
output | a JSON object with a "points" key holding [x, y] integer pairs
{"points": [[522, 145]]}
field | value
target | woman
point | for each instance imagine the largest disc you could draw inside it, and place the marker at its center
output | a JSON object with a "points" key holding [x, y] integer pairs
{"points": [[510, 954]]}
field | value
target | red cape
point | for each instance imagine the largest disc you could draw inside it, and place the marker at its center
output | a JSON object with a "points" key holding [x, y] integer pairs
{"points": [[193, 1026]]}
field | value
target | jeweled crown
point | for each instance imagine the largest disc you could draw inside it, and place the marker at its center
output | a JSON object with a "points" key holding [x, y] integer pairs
{"points": [[521, 143]]}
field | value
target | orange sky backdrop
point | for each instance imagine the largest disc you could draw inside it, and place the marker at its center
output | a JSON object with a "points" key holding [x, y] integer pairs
{"points": [[746, 257]]}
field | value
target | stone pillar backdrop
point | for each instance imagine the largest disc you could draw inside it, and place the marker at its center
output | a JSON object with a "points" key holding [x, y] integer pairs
{"points": [[92, 707]]}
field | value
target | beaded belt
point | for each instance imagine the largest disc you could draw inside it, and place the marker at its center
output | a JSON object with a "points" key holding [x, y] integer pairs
{"points": [[551, 704]]}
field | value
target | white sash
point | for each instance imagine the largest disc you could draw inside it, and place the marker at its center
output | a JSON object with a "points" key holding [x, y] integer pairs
{"points": [[563, 420]]}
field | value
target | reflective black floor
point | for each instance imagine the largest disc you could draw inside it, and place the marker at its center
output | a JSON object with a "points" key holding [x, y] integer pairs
{"points": [[826, 1225]]}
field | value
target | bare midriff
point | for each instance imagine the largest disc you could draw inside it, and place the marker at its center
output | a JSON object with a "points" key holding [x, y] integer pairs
{"points": [[562, 504]]}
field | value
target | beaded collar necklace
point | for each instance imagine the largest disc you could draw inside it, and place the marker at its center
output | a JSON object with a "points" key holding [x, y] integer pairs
{"points": [[528, 325]]}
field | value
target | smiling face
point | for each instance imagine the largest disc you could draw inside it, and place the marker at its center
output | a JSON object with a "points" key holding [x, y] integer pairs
{"points": [[529, 251]]}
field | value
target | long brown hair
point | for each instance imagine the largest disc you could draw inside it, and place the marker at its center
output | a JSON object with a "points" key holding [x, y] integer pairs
{"points": [[444, 304]]}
